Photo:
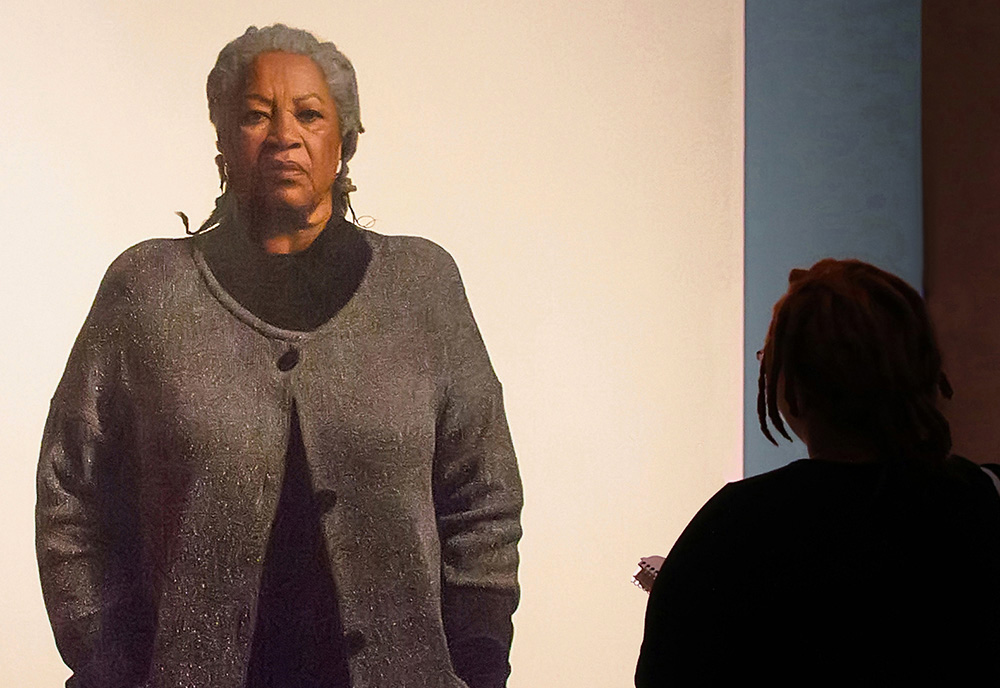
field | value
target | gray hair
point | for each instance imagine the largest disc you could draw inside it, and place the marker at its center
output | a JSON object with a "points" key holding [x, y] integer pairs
{"points": [[227, 79]]}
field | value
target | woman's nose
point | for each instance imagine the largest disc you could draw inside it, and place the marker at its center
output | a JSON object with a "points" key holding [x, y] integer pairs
{"points": [[284, 130]]}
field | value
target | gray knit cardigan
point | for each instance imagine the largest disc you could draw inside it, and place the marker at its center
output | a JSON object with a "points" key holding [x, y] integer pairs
{"points": [[162, 461]]}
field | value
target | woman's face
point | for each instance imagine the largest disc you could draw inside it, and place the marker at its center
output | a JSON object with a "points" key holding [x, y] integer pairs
{"points": [[282, 149]]}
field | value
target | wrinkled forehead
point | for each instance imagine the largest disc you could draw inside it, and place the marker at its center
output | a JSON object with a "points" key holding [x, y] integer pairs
{"points": [[299, 74], [270, 73], [281, 80]]}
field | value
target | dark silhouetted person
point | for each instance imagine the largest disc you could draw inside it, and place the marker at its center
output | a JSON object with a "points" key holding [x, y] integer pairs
{"points": [[876, 561]]}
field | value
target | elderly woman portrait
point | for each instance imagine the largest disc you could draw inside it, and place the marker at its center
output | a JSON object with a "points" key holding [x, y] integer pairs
{"points": [[278, 455]]}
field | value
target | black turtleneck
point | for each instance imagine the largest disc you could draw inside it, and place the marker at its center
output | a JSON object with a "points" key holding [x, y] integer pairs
{"points": [[296, 291]]}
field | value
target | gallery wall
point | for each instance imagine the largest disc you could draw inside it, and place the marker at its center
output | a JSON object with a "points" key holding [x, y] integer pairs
{"points": [[583, 162], [833, 158], [962, 211]]}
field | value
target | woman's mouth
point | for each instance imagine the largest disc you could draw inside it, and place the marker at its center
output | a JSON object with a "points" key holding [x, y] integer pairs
{"points": [[282, 169]]}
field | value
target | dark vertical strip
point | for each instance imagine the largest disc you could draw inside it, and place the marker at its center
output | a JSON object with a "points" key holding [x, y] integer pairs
{"points": [[832, 156], [961, 107], [298, 638]]}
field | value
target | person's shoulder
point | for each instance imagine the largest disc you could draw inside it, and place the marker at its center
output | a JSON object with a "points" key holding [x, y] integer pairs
{"points": [[415, 249], [765, 499], [137, 278], [959, 465], [150, 264], [416, 261], [150, 255], [765, 485], [964, 478]]}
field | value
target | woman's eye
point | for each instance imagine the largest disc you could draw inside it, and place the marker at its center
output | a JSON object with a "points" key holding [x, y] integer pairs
{"points": [[252, 117], [310, 115]]}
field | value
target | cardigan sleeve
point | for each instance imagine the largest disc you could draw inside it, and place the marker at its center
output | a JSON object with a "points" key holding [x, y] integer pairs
{"points": [[87, 551], [478, 499]]}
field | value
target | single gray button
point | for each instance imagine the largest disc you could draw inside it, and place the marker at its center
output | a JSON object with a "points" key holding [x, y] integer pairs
{"points": [[288, 360]]}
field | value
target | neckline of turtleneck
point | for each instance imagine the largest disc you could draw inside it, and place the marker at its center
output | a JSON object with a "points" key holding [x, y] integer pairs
{"points": [[297, 291]]}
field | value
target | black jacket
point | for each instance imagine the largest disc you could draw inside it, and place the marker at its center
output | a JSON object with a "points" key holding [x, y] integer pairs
{"points": [[824, 573]]}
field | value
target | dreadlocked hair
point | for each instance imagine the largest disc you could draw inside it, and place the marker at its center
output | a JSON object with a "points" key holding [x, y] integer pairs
{"points": [[855, 347]]}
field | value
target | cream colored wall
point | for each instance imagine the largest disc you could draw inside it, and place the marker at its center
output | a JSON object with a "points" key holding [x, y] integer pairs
{"points": [[581, 160]]}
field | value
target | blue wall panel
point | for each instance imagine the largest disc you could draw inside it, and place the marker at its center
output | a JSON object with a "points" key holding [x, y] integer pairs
{"points": [[832, 156]]}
